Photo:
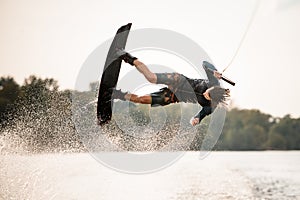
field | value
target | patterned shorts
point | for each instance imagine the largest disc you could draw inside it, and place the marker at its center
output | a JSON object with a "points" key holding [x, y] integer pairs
{"points": [[167, 95]]}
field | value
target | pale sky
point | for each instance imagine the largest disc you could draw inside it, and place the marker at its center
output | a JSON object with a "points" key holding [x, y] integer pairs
{"points": [[52, 38]]}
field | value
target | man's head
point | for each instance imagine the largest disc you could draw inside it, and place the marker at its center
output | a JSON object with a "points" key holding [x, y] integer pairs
{"points": [[216, 95]]}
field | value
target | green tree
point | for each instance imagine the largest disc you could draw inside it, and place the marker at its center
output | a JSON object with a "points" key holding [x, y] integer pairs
{"points": [[255, 137], [36, 93], [285, 134], [9, 92], [276, 141], [245, 130]]}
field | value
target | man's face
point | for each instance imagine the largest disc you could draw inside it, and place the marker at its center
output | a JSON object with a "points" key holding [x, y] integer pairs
{"points": [[206, 94]]}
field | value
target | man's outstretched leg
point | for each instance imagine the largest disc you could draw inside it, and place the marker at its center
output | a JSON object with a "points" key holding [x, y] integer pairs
{"points": [[138, 99], [141, 67], [158, 98], [118, 94], [170, 79]]}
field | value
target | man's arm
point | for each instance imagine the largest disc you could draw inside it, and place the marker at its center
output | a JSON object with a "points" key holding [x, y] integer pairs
{"points": [[206, 110], [212, 74]]}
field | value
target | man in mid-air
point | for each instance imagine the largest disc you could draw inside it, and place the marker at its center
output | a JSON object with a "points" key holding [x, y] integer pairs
{"points": [[207, 93]]}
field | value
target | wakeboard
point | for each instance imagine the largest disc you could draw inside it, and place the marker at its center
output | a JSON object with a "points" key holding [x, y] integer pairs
{"points": [[110, 75]]}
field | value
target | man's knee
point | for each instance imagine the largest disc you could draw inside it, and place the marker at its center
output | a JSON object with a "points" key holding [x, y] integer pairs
{"points": [[152, 78], [158, 100]]}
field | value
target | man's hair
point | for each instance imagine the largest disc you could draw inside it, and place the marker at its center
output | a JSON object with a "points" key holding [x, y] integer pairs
{"points": [[219, 95]]}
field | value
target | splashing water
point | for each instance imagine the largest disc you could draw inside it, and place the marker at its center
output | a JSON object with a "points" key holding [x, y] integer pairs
{"points": [[42, 127], [48, 126]]}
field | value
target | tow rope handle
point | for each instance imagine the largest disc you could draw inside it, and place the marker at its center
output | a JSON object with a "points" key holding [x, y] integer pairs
{"points": [[228, 80], [222, 77]]}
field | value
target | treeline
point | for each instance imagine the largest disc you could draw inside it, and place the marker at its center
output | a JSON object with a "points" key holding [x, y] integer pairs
{"points": [[41, 116], [253, 130], [36, 117], [15, 99]]}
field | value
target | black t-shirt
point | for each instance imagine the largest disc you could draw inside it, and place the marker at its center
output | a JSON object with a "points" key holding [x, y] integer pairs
{"points": [[199, 86]]}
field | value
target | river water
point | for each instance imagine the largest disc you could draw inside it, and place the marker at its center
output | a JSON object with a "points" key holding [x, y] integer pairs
{"points": [[221, 175]]}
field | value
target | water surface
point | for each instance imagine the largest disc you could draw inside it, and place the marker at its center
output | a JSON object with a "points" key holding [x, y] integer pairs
{"points": [[221, 175]]}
